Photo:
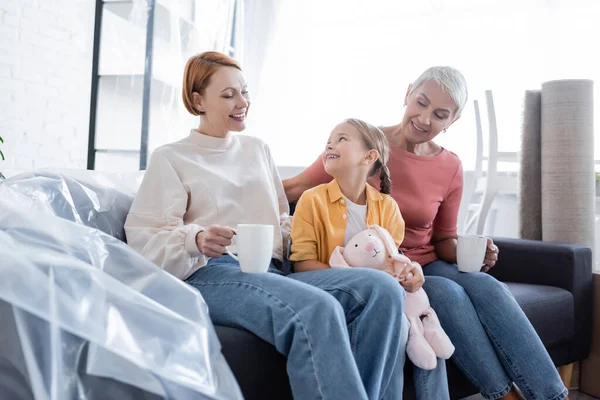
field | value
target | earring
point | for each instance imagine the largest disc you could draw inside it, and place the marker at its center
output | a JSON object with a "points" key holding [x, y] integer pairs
{"points": [[444, 130]]}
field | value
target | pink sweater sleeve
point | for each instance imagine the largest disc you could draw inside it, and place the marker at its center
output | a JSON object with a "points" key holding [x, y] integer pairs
{"points": [[316, 172], [445, 223]]}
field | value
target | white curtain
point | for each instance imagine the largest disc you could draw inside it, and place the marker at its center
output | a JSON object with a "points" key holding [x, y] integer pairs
{"points": [[260, 28], [329, 60]]}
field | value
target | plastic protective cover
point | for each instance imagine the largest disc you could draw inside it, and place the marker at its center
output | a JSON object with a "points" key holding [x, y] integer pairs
{"points": [[82, 315]]}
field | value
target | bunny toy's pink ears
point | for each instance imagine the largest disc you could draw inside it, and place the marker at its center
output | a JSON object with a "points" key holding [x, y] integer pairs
{"points": [[402, 258], [337, 258], [385, 236]]}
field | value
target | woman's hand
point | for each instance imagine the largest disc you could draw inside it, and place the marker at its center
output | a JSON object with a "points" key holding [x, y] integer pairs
{"points": [[416, 281], [212, 242], [491, 256]]}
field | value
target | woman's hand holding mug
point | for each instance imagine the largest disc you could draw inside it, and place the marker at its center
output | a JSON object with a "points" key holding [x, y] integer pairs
{"points": [[491, 256], [213, 241]]}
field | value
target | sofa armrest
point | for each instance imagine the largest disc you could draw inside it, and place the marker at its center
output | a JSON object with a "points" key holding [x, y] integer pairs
{"points": [[560, 265], [566, 266]]}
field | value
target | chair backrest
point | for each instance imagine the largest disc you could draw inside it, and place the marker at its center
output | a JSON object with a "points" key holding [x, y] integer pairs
{"points": [[479, 149], [465, 221], [493, 180], [492, 166]]}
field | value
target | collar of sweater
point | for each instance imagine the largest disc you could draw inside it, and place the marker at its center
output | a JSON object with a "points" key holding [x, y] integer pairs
{"points": [[210, 142]]}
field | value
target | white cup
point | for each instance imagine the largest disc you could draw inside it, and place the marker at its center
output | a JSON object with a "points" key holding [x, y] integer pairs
{"points": [[470, 253], [254, 244]]}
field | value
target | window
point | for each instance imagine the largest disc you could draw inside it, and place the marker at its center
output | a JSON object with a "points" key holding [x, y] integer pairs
{"points": [[141, 49], [348, 58]]}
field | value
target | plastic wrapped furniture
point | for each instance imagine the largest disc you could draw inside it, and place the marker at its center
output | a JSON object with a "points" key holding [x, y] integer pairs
{"points": [[83, 315]]}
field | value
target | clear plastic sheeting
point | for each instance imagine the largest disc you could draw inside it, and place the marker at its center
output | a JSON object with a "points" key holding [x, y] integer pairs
{"points": [[95, 199], [83, 315]]}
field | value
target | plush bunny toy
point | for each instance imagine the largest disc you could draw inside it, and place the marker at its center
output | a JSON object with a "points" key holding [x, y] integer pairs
{"points": [[375, 248]]}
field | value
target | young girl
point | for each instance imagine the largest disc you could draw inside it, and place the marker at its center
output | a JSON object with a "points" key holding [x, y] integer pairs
{"points": [[329, 215]]}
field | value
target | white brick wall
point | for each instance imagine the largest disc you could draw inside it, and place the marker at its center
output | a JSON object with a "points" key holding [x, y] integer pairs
{"points": [[45, 79]]}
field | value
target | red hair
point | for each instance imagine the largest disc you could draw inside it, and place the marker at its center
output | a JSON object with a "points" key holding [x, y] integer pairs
{"points": [[197, 73]]}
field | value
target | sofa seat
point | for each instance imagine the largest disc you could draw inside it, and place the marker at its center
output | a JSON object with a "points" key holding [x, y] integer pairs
{"points": [[536, 300], [259, 369]]}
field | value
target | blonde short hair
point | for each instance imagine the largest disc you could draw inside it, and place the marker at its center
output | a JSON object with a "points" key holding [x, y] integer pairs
{"points": [[450, 80]]}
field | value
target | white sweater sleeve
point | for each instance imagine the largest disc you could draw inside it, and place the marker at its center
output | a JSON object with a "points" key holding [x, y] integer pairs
{"points": [[155, 226]]}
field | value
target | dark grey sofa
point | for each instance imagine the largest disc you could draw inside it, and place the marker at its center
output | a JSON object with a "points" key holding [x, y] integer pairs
{"points": [[552, 283]]}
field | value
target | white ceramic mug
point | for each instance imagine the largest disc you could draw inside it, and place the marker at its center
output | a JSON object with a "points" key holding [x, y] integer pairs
{"points": [[470, 252], [254, 245]]}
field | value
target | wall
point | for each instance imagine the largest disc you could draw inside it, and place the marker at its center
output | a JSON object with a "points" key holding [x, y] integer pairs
{"points": [[45, 77]]}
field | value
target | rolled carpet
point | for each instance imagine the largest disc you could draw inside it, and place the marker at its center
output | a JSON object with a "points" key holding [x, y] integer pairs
{"points": [[567, 142], [530, 199]]}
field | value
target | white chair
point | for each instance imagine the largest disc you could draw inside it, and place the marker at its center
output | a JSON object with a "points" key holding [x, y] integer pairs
{"points": [[469, 192], [488, 184]]}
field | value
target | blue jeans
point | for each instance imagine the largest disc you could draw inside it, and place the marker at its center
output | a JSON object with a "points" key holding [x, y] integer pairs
{"points": [[350, 291], [496, 344], [346, 341]]}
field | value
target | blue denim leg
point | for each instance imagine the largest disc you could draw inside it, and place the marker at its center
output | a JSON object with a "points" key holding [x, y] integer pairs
{"points": [[372, 302], [474, 355], [304, 323], [432, 385], [489, 329]]}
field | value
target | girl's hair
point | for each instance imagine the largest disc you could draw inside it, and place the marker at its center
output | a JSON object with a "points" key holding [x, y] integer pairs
{"points": [[197, 73], [374, 139]]}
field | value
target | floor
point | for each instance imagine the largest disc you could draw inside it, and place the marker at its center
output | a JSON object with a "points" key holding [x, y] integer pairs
{"points": [[572, 396]]}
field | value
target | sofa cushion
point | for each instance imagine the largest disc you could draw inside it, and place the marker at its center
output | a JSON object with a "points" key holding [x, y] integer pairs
{"points": [[550, 310], [259, 369]]}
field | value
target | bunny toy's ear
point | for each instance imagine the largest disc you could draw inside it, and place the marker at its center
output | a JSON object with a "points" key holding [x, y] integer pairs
{"points": [[337, 258], [387, 240], [401, 258]]}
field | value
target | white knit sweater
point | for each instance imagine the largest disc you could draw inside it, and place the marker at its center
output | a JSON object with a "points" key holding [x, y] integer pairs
{"points": [[201, 181]]}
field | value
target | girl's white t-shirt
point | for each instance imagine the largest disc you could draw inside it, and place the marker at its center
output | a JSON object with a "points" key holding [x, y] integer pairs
{"points": [[357, 219]]}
